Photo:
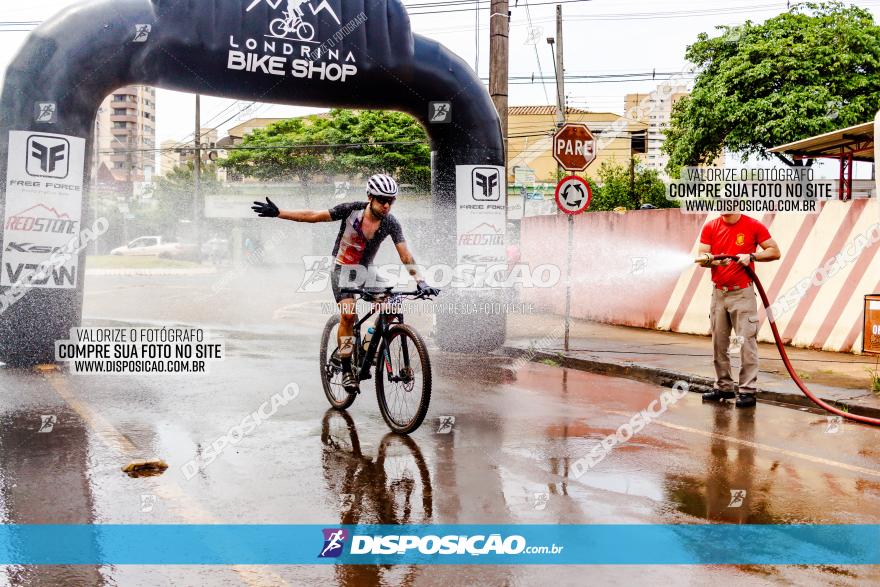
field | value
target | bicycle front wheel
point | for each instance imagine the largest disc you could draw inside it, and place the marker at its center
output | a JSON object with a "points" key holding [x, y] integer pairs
{"points": [[331, 368], [403, 379], [305, 32]]}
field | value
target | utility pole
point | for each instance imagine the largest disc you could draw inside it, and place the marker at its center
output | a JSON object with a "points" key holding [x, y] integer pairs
{"points": [[632, 180], [499, 61], [560, 71], [197, 173]]}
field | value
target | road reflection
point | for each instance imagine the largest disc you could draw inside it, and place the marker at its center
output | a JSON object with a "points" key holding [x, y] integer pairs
{"points": [[392, 488], [44, 480], [727, 491]]}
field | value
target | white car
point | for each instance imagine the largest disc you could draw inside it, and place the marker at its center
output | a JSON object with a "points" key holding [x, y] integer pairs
{"points": [[155, 246]]}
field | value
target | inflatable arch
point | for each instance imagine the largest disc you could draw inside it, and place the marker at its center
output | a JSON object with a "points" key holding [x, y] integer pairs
{"points": [[326, 53]]}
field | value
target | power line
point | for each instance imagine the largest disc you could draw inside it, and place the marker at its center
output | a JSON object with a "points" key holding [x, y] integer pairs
{"points": [[470, 9]]}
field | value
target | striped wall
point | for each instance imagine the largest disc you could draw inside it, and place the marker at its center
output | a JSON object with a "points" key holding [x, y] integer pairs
{"points": [[631, 269]]}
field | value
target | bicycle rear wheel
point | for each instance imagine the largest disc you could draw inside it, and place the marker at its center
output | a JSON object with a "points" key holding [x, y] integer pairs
{"points": [[403, 379], [331, 371]]}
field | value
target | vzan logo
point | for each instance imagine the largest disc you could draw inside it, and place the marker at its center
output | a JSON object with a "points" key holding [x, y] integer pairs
{"points": [[290, 47], [487, 185], [47, 157]]}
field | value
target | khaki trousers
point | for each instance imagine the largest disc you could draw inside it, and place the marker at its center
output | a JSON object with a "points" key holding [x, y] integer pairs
{"points": [[736, 309]]}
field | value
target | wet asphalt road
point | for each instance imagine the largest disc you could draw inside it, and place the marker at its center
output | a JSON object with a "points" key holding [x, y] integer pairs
{"points": [[508, 459]]}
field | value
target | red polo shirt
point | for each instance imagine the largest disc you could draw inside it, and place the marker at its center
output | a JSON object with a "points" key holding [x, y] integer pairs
{"points": [[743, 236]]}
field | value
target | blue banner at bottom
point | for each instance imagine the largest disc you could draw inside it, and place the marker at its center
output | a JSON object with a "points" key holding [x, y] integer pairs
{"points": [[482, 544]]}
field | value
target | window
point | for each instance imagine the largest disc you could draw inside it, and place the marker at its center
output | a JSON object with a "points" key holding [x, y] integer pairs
{"points": [[118, 165], [120, 125], [147, 115]]}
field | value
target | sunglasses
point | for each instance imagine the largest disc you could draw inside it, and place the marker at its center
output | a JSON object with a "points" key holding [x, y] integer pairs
{"points": [[382, 201]]}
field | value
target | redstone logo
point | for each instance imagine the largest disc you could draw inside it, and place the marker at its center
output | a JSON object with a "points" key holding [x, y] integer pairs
{"points": [[483, 235]]}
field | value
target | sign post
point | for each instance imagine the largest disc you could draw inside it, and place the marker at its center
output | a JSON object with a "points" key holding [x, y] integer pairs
{"points": [[574, 148]]}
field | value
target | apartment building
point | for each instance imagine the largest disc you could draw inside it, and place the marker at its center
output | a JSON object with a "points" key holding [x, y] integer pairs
{"points": [[655, 110], [125, 131]]}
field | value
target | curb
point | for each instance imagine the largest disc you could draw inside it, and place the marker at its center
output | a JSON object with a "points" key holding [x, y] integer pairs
{"points": [[667, 378], [131, 272]]}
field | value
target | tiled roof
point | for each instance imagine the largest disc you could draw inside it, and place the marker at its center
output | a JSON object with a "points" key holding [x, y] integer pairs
{"points": [[544, 110]]}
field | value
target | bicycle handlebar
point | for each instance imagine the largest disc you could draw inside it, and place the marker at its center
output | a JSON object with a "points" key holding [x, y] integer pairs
{"points": [[361, 292]]}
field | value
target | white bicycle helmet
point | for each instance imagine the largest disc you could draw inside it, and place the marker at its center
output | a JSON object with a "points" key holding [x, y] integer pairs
{"points": [[383, 186]]}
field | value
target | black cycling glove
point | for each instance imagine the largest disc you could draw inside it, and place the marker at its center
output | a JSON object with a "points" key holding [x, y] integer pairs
{"points": [[426, 290], [267, 210]]}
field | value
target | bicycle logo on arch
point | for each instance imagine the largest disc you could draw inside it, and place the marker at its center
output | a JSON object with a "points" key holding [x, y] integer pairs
{"points": [[292, 24]]}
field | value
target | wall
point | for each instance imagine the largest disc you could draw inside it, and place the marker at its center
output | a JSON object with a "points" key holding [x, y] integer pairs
{"points": [[670, 294]]}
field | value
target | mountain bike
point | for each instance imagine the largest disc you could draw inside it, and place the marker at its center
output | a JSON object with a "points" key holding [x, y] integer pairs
{"points": [[397, 350]]}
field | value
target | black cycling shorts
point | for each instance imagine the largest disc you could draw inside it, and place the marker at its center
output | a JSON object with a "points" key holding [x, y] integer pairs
{"points": [[352, 280]]}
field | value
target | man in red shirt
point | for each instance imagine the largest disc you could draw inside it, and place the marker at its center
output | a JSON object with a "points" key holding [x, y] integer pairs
{"points": [[733, 299]]}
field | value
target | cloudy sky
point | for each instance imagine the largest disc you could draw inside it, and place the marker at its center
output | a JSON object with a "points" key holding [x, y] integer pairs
{"points": [[601, 37]]}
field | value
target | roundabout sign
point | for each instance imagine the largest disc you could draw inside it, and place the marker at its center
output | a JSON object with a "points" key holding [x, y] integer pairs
{"points": [[573, 195]]}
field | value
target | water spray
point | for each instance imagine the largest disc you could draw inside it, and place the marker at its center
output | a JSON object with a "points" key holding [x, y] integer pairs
{"points": [[707, 258]]}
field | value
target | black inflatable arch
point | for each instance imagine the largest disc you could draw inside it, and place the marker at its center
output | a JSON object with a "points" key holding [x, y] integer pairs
{"points": [[85, 53]]}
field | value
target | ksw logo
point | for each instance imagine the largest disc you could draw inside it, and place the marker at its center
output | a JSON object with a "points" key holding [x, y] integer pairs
{"points": [[47, 156], [30, 248], [487, 186], [334, 542]]}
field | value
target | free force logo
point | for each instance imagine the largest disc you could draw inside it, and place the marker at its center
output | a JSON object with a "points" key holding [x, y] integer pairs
{"points": [[487, 187], [47, 157], [334, 542]]}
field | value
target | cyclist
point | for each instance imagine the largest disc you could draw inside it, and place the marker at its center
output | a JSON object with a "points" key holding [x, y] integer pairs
{"points": [[364, 226], [294, 12]]}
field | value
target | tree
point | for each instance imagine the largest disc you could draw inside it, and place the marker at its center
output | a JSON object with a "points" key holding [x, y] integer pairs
{"points": [[805, 72], [173, 197], [341, 142], [618, 189]]}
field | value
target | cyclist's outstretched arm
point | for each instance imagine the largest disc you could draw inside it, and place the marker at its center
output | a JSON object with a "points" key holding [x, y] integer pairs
{"points": [[305, 215], [268, 209]]}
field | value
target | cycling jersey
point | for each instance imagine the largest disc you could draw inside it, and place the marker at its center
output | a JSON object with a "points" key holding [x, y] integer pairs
{"points": [[352, 247]]}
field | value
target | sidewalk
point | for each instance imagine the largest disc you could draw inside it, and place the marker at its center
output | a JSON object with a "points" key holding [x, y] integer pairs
{"points": [[665, 357]]}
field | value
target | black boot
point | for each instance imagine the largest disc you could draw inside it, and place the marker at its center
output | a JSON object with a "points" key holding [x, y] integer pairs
{"points": [[746, 400], [716, 395]]}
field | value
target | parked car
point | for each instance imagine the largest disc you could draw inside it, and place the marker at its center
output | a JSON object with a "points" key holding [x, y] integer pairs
{"points": [[157, 246]]}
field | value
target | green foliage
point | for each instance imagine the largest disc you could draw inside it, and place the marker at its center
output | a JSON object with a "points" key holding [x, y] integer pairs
{"points": [[616, 189], [875, 380], [808, 71], [358, 150]]}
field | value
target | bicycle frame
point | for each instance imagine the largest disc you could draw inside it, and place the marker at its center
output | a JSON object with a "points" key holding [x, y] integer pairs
{"points": [[383, 323]]}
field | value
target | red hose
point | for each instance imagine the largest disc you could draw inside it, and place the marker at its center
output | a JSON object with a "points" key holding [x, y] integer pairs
{"points": [[819, 402]]}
